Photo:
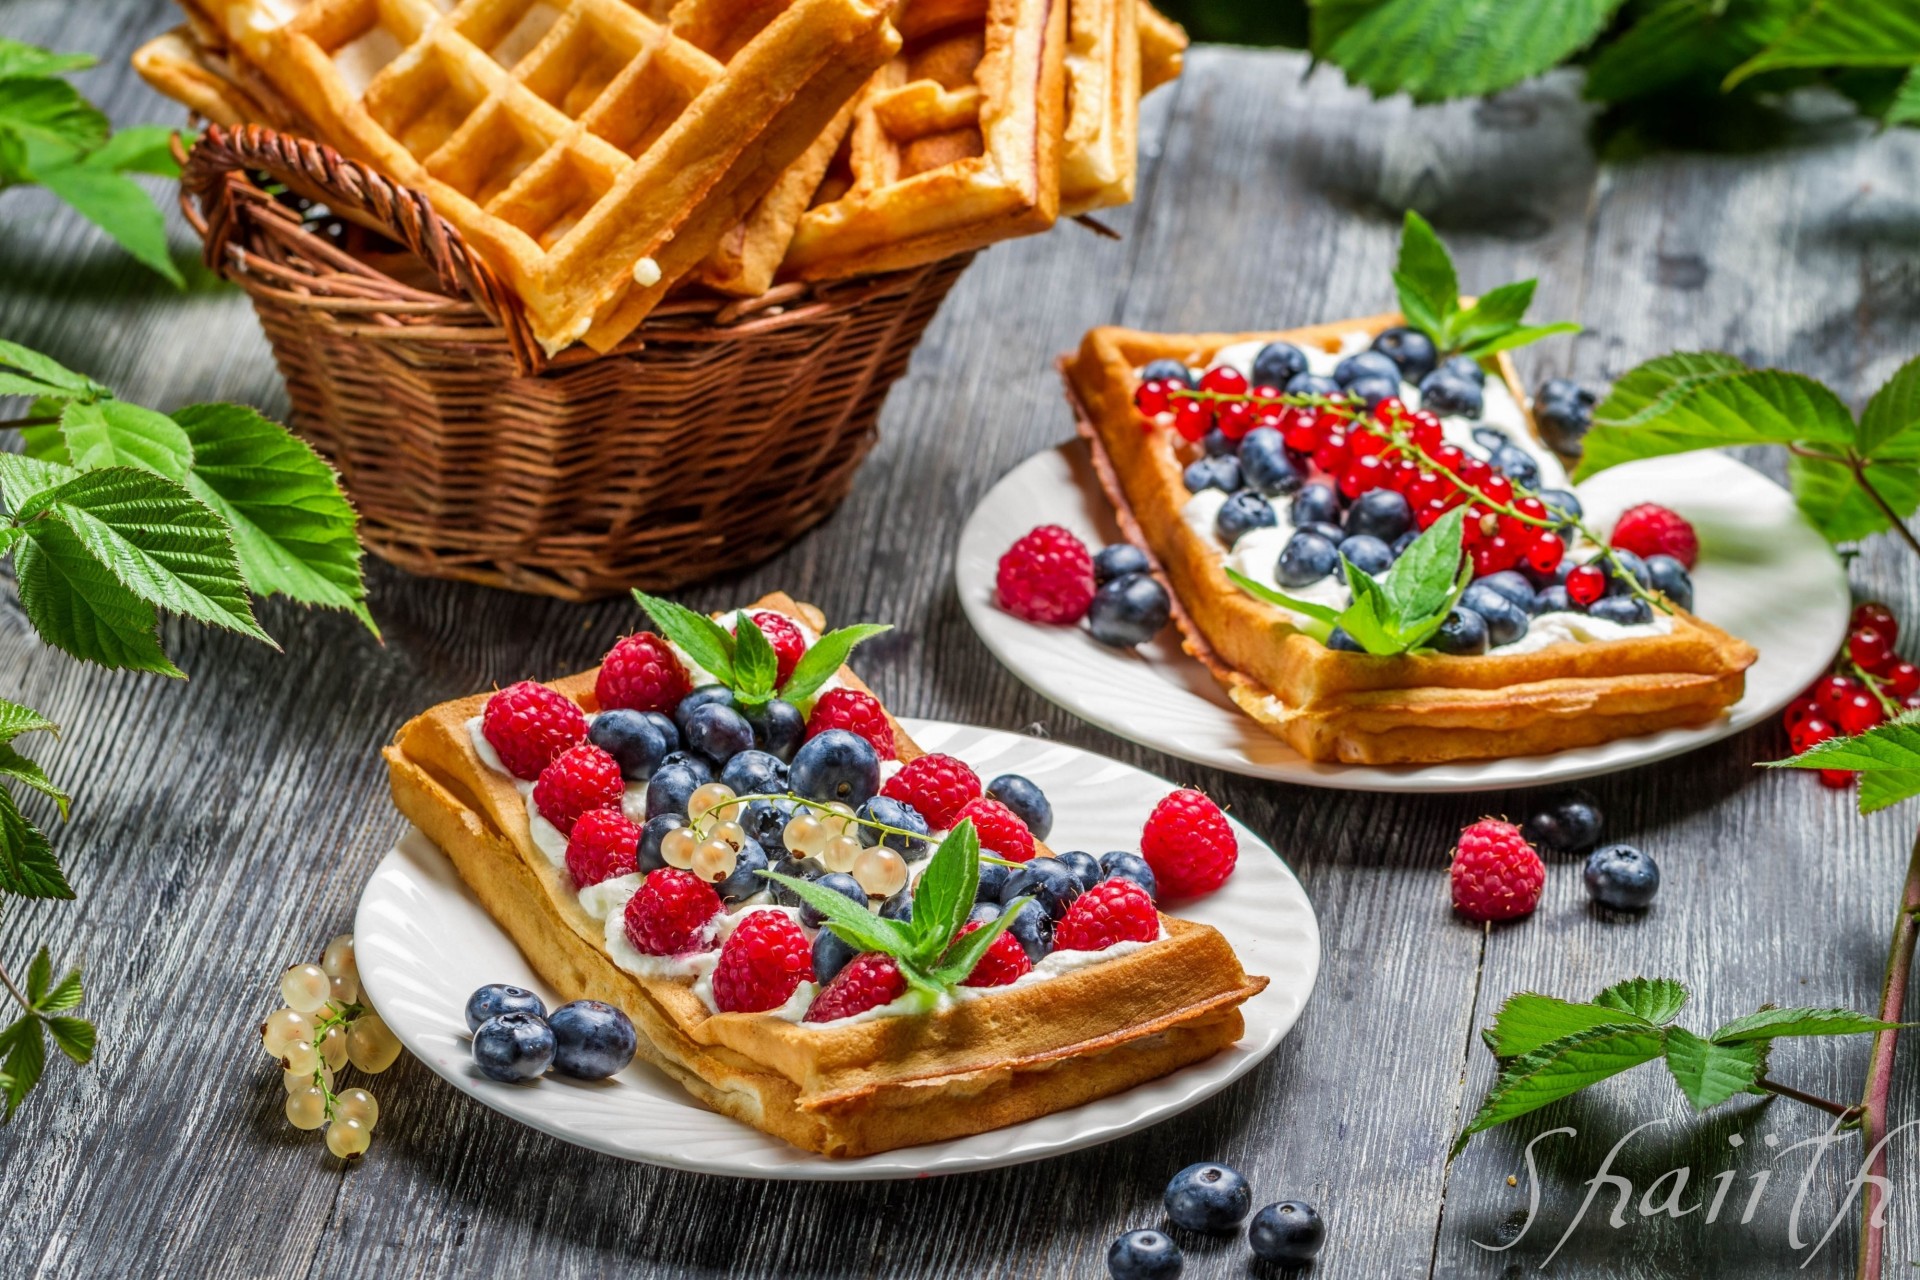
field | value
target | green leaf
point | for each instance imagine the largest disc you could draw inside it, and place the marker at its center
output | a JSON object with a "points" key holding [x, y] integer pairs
{"points": [[1558, 1069], [854, 925], [1518, 336], [27, 773], [1321, 613], [824, 658], [700, 637], [48, 377], [1424, 278], [294, 531], [74, 1036], [27, 864], [1890, 424], [1370, 618], [159, 541], [1678, 404], [67, 993], [26, 1060], [1842, 33], [960, 960], [139, 148], [1658, 1000], [1833, 501], [113, 433], [1710, 1073], [755, 665], [26, 61], [79, 607], [1528, 1021], [1439, 49], [23, 479], [16, 720], [1682, 43], [1905, 107], [118, 206], [39, 975], [50, 112], [1772, 1024], [1886, 756], [1426, 581], [1492, 314], [944, 895]]}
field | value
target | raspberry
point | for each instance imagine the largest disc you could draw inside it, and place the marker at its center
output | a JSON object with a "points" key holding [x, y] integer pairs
{"points": [[528, 724], [788, 644], [999, 828], [1189, 844], [583, 778], [670, 913], [1005, 960], [1112, 911], [937, 787], [855, 712], [604, 844], [1651, 530], [1047, 576], [765, 958], [641, 673], [869, 981], [1496, 873]]}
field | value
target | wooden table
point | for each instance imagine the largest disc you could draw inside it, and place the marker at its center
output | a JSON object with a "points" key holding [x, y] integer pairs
{"points": [[223, 827]]}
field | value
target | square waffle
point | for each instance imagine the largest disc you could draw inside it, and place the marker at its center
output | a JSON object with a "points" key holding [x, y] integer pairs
{"points": [[841, 1089], [589, 152], [1356, 708], [1099, 144], [1163, 48]]}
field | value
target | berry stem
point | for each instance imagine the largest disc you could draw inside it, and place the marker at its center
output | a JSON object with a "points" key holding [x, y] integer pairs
{"points": [[1873, 1103], [819, 807], [1872, 685], [1832, 1108], [6, 980]]}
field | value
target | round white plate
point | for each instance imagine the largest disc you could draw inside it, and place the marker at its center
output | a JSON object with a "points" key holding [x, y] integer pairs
{"points": [[424, 944], [1764, 575]]}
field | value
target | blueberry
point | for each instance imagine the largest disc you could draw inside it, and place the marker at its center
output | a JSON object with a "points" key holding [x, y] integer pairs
{"points": [[1315, 504], [766, 822], [1463, 633], [1367, 554], [1366, 364], [830, 955], [693, 762], [1050, 882], [1122, 865], [1622, 877], [1331, 532], [1242, 513], [1208, 1197], [1118, 560], [892, 813], [1144, 1255], [1278, 364], [1492, 439], [1033, 929], [1340, 641], [993, 877], [1506, 621], [1512, 584], [1370, 390], [1553, 599], [984, 912], [1450, 395], [1305, 559], [835, 882], [633, 740], [1670, 579], [699, 698], [650, 858], [1568, 824], [1465, 368], [1628, 611], [1085, 867], [1129, 611], [1216, 444], [799, 869], [1562, 503], [778, 728], [1401, 543], [669, 789], [718, 733], [497, 998], [512, 1047], [591, 1040], [752, 773], [1028, 802], [1410, 350], [1212, 473], [1563, 410], [1167, 371], [898, 907], [1289, 1233], [1265, 466], [836, 765], [1311, 384], [1380, 513], [1517, 465], [1629, 565], [745, 880], [665, 724]]}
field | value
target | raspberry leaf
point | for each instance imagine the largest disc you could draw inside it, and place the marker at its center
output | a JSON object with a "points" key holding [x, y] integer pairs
{"points": [[39, 974], [1440, 49], [1559, 1069], [1710, 1073], [1887, 758], [27, 865], [1689, 401], [1528, 1021], [16, 720], [755, 665], [78, 606], [1657, 1000], [113, 433], [24, 61], [1890, 424], [824, 658], [65, 994], [959, 961], [1771, 1024], [27, 773], [704, 640], [26, 1052], [1841, 33], [1327, 616], [74, 1036], [24, 372]]}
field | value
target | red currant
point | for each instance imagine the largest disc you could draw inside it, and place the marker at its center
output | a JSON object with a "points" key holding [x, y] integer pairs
{"points": [[1585, 584], [1235, 418], [1545, 553], [1498, 488], [1363, 475], [1911, 702], [1266, 393], [1331, 456], [1832, 692], [1868, 647], [1473, 471], [1151, 398], [1429, 515], [1876, 615], [1860, 713], [1903, 679], [1425, 487], [1810, 733], [1389, 411], [1363, 443], [1225, 381], [1838, 779], [1192, 417], [1449, 456], [1799, 711], [1401, 474], [1302, 432], [1493, 556]]}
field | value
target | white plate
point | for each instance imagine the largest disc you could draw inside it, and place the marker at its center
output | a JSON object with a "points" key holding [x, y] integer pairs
{"points": [[424, 944], [1764, 575]]}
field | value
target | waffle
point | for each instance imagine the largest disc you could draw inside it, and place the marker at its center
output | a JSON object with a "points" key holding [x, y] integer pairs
{"points": [[1099, 144], [955, 143], [1355, 708], [845, 1089], [589, 152], [1163, 48]]}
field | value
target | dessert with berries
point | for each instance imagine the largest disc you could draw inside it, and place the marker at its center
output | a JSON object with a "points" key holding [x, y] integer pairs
{"points": [[1371, 547], [812, 924]]}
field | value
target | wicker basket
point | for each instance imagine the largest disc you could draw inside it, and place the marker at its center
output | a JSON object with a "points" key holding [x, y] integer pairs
{"points": [[713, 438]]}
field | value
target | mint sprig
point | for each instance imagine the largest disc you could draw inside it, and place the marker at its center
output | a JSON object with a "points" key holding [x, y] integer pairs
{"points": [[744, 661], [1429, 293]]}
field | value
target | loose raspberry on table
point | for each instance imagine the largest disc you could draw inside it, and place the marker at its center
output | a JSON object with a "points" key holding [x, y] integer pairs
{"points": [[999, 828], [1047, 576], [1189, 844], [1496, 873], [765, 958], [583, 777], [858, 713], [528, 724], [869, 980], [669, 915], [937, 786], [1112, 911], [604, 844], [789, 646], [641, 673], [1004, 961], [1652, 530]]}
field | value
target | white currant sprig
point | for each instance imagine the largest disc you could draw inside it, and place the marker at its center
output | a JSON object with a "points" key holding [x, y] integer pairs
{"points": [[325, 1025]]}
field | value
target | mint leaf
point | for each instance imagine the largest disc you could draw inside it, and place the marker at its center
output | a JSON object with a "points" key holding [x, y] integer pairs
{"points": [[1439, 49], [755, 665], [854, 925], [1426, 581], [1658, 1000], [1423, 277], [1369, 619], [52, 113], [1710, 1073], [700, 637], [26, 1060], [74, 1036], [1517, 336], [824, 658], [16, 720], [294, 531], [65, 995], [1887, 757], [1528, 1021], [1558, 1069], [79, 607], [1771, 1024], [1678, 404], [960, 960], [1841, 33], [1320, 613], [1493, 313], [113, 433], [943, 897], [118, 206], [27, 864], [25, 61]]}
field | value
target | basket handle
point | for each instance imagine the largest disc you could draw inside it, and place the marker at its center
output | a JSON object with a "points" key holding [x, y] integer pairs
{"points": [[216, 176]]}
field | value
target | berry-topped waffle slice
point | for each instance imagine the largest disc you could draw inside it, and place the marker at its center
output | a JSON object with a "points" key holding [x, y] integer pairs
{"points": [[816, 927]]}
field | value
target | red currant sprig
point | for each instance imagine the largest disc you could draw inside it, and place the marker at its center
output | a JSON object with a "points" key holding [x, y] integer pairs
{"points": [[1869, 685]]}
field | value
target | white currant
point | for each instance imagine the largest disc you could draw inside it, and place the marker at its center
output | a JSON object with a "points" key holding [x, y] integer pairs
{"points": [[370, 1045], [338, 959], [333, 1046], [307, 1108], [282, 1028], [357, 1104], [348, 1138], [301, 1056], [305, 987]]}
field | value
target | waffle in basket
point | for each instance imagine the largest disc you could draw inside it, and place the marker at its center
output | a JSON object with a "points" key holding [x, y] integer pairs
{"points": [[850, 1086], [1597, 684]]}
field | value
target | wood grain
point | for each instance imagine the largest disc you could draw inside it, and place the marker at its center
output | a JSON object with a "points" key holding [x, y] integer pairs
{"points": [[223, 826]]}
